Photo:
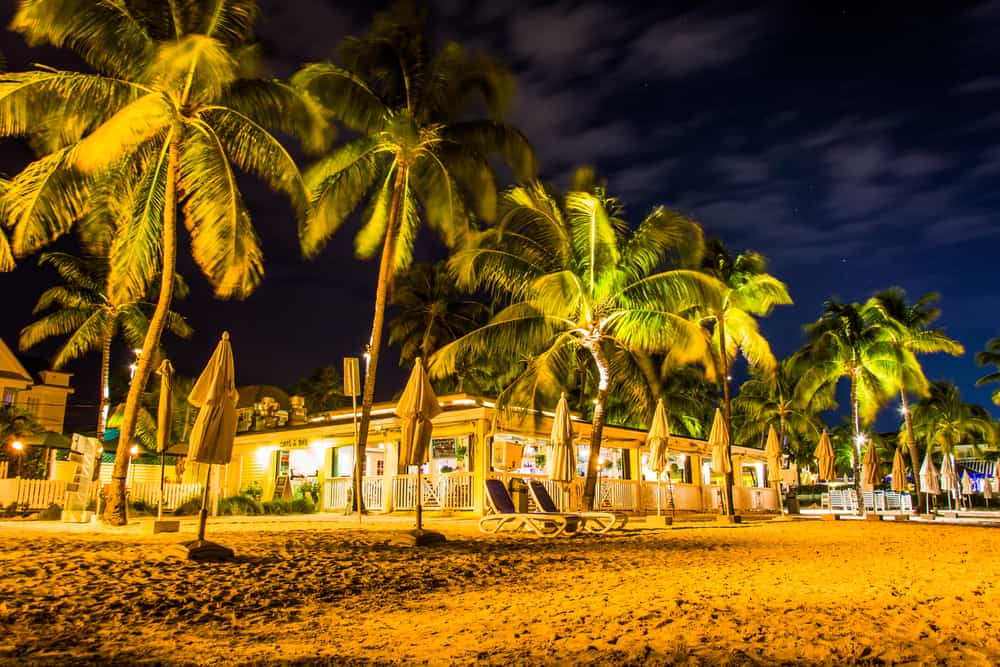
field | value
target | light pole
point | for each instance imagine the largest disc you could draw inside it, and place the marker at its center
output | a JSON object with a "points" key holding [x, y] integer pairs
{"points": [[18, 448], [132, 453]]}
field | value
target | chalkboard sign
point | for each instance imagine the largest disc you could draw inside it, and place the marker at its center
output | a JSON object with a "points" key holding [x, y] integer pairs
{"points": [[282, 488], [443, 448]]}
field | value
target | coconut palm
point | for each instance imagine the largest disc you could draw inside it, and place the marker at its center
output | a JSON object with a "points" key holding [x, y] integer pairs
{"points": [[433, 312], [750, 292], [772, 400], [6, 256], [914, 335], [579, 281], [82, 310], [171, 113], [418, 159], [323, 389], [851, 341], [944, 421], [990, 356]]}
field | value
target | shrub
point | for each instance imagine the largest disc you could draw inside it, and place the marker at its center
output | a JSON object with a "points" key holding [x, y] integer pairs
{"points": [[141, 507], [189, 507], [253, 490], [277, 506], [240, 505], [51, 513], [10, 510], [303, 506]]}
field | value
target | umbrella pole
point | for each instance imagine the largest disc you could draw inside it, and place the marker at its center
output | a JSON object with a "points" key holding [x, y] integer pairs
{"points": [[163, 469], [657, 494], [420, 495], [203, 516]]}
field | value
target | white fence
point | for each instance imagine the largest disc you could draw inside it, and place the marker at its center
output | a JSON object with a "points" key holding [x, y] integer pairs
{"points": [[40, 493], [447, 491], [335, 492]]}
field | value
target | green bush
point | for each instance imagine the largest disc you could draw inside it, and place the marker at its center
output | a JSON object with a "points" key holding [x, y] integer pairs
{"points": [[10, 510], [303, 506], [141, 507], [51, 513], [240, 505], [189, 507], [277, 506], [253, 490]]}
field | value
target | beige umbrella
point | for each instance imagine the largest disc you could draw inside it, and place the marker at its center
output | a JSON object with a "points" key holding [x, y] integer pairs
{"points": [[824, 457], [929, 478], [967, 489], [898, 472], [416, 408], [659, 442], [561, 461], [772, 450], [949, 481], [212, 435], [718, 440], [870, 472], [163, 419]]}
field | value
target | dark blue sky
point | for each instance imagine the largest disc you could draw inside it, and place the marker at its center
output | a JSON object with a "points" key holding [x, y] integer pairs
{"points": [[855, 146]]}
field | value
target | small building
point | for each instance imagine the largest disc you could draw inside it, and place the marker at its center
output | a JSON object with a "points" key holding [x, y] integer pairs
{"points": [[45, 398], [474, 441]]}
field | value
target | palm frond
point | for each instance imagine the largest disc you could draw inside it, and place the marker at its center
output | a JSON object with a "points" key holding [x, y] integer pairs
{"points": [[661, 234], [344, 94], [229, 21], [274, 104], [43, 201], [58, 323], [443, 204], [493, 138], [199, 67], [83, 338], [135, 123]]}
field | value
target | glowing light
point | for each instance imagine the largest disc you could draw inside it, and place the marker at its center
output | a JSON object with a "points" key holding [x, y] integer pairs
{"points": [[134, 451], [137, 351], [903, 411], [860, 439], [17, 445]]}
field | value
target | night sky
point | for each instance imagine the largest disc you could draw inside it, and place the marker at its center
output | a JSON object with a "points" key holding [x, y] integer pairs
{"points": [[855, 146]]}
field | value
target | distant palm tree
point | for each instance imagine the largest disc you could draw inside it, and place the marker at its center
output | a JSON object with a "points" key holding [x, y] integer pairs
{"points": [[750, 292], [849, 341], [419, 158], [173, 110], [944, 421], [433, 313], [990, 356], [580, 281], [913, 335], [323, 389], [82, 310]]}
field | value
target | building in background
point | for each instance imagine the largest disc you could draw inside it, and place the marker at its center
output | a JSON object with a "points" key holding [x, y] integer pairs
{"points": [[44, 397]]}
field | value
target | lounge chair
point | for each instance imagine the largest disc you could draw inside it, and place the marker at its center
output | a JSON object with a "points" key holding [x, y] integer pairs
{"points": [[593, 522], [504, 516]]}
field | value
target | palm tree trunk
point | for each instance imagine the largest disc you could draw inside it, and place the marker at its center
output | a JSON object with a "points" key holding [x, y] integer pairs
{"points": [[115, 510], [105, 400], [375, 342], [597, 426], [727, 492], [855, 421], [911, 443]]}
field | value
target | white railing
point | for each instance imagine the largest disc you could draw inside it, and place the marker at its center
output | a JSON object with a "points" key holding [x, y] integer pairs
{"points": [[447, 491], [620, 495], [336, 490], [754, 498], [33, 493], [174, 495]]}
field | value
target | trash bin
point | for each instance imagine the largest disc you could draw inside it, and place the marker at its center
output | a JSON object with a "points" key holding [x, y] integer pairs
{"points": [[792, 503], [519, 494]]}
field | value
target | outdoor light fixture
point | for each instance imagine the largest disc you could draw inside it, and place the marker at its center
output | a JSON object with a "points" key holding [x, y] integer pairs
{"points": [[134, 451], [903, 410], [17, 445], [859, 439]]}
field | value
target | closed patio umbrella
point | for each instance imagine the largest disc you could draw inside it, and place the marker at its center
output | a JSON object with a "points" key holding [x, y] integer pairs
{"points": [[870, 472], [212, 435], [416, 408], [949, 481], [898, 472], [561, 461], [718, 440], [659, 442], [773, 453], [967, 489], [824, 457], [163, 419], [929, 478]]}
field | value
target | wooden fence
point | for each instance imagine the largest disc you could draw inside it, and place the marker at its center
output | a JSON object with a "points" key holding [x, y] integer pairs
{"points": [[38, 494]]}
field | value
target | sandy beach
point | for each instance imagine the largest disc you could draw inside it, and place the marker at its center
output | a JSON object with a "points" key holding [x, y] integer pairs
{"points": [[326, 592]]}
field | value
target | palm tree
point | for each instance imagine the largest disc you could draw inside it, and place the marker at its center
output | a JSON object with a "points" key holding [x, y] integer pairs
{"points": [[433, 312], [943, 420], [990, 356], [848, 341], [6, 256], [323, 389], [419, 156], [579, 281], [82, 310], [765, 400], [750, 291], [912, 322], [171, 113]]}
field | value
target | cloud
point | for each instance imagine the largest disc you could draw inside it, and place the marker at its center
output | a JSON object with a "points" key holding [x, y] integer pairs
{"points": [[742, 169], [984, 84]]}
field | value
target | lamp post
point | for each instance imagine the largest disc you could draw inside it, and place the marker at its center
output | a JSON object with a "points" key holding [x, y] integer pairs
{"points": [[18, 448], [132, 453]]}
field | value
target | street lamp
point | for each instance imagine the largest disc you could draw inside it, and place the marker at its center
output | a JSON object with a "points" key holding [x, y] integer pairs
{"points": [[132, 453], [18, 448], [134, 366]]}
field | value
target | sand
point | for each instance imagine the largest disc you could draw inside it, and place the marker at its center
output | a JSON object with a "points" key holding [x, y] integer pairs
{"points": [[325, 592]]}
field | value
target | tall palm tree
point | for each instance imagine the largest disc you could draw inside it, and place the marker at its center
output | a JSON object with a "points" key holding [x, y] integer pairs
{"points": [[323, 389], [418, 157], [171, 113], [765, 400], [750, 292], [849, 341], [990, 356], [6, 256], [434, 312], [914, 335], [83, 309], [580, 281], [943, 420]]}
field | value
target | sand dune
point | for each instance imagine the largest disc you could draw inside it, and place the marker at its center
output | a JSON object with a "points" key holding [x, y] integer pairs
{"points": [[326, 592]]}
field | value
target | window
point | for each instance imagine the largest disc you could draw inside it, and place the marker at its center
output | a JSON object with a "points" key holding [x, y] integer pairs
{"points": [[8, 395]]}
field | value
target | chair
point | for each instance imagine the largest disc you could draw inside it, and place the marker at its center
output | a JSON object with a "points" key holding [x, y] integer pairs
{"points": [[505, 516], [593, 522]]}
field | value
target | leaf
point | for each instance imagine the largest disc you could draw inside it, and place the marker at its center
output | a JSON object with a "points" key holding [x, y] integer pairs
{"points": [[133, 125], [347, 97]]}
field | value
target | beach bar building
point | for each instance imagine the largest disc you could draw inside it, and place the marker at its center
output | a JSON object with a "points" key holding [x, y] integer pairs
{"points": [[473, 441]]}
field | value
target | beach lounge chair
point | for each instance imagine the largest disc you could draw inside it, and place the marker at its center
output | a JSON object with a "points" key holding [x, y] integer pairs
{"points": [[505, 517], [593, 522]]}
